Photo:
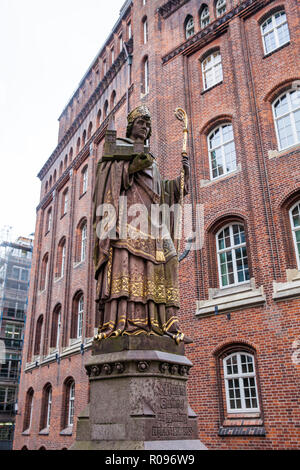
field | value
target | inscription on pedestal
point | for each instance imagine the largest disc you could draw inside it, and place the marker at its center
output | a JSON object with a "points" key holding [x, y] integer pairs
{"points": [[171, 413]]}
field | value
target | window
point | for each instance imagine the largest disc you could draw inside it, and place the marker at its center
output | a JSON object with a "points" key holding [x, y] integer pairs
{"points": [[80, 317], [113, 100], [64, 202], [286, 111], [105, 109], [145, 76], [90, 128], [13, 331], [56, 327], [71, 401], [189, 27], [232, 255], [204, 17], [61, 258], [295, 222], [145, 30], [221, 151], [38, 336], [46, 407], [120, 42], [44, 272], [275, 32], [240, 383], [220, 7], [84, 180], [7, 398], [28, 410], [129, 32], [112, 54], [49, 220], [11, 367], [212, 71], [81, 241]]}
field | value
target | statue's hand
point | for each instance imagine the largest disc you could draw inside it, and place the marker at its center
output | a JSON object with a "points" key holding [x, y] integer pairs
{"points": [[140, 162]]}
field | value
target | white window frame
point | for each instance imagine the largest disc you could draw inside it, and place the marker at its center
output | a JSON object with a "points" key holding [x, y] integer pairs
{"points": [[83, 242], [63, 259], [221, 146], [58, 327], [274, 30], [290, 113], [189, 28], [65, 201], [80, 316], [220, 7], [49, 405], [294, 230], [146, 76], [84, 180], [204, 17], [71, 404], [232, 248], [212, 62], [240, 376], [145, 30]]}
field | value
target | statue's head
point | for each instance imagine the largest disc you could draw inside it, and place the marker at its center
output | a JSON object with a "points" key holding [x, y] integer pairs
{"points": [[135, 118]]}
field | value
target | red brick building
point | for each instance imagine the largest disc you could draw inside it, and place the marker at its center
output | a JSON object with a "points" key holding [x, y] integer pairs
{"points": [[234, 66]]}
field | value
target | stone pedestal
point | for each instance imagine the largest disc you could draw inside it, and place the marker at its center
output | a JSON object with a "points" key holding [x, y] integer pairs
{"points": [[138, 398]]}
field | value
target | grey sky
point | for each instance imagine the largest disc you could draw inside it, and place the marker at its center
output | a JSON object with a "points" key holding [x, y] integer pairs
{"points": [[46, 48]]}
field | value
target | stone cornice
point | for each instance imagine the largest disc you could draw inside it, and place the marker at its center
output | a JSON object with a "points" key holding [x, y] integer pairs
{"points": [[98, 92], [170, 7], [214, 29]]}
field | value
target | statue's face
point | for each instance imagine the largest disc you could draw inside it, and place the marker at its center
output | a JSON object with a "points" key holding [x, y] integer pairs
{"points": [[140, 129]]}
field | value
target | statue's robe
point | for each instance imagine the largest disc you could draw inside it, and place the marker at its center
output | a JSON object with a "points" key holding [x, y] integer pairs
{"points": [[137, 276]]}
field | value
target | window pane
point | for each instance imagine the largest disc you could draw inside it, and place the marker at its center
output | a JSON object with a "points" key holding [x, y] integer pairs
{"points": [[281, 106], [283, 34]]}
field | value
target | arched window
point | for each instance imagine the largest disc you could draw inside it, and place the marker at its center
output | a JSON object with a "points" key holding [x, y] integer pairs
{"points": [[49, 220], [54, 176], [61, 258], [64, 202], [105, 109], [28, 409], [44, 272], [70, 154], [84, 180], [46, 407], [204, 16], [60, 168], [71, 403], [81, 241], [275, 32], [189, 27], [113, 100], [98, 118], [240, 383], [295, 223], [220, 7], [83, 137], [221, 149], [286, 111], [145, 30], [50, 181], [38, 336], [46, 187], [232, 255], [68, 403], [212, 72], [66, 161], [78, 145], [90, 128], [56, 327]]}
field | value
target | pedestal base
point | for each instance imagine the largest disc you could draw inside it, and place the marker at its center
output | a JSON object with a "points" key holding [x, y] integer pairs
{"points": [[138, 398]]}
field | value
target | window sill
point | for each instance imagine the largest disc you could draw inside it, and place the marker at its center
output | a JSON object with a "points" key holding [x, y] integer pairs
{"points": [[81, 195], [211, 87], [44, 432], [286, 152], [67, 431], [78, 263], [26, 432], [243, 296], [63, 215], [204, 183], [289, 289]]}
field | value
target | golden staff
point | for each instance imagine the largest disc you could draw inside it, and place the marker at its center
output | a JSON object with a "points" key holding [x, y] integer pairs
{"points": [[181, 115]]}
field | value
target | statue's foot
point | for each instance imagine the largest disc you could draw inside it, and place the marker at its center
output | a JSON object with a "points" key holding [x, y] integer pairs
{"points": [[187, 340]]}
